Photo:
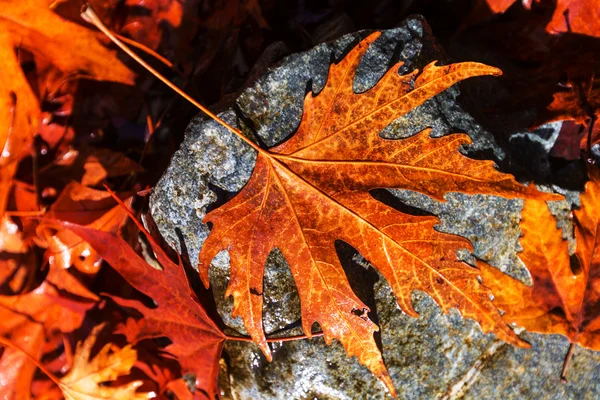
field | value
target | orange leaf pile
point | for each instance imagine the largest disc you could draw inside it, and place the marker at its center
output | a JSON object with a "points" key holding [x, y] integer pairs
{"points": [[24, 26], [30, 319], [314, 189], [564, 296]]}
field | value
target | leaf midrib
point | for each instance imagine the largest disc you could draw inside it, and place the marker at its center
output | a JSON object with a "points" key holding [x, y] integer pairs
{"points": [[336, 203]]}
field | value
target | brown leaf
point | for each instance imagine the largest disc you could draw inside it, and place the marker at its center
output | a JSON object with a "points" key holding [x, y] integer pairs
{"points": [[11, 240], [87, 378], [147, 28], [314, 189], [180, 389], [196, 340], [226, 13], [576, 16], [46, 305], [103, 163], [564, 296]]}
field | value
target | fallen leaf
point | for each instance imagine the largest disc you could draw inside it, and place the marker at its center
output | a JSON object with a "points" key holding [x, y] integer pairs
{"points": [[103, 163], [564, 296], [576, 16], [196, 340], [25, 23], [11, 240], [82, 205], [48, 306], [226, 13], [580, 103], [19, 111], [144, 21], [147, 28], [180, 389], [313, 190], [87, 379], [16, 370]]}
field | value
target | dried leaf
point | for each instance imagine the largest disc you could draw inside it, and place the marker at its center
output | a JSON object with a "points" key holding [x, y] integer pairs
{"points": [[564, 296], [147, 28], [82, 205], [16, 370], [48, 306], [11, 240], [196, 340], [26, 25], [580, 102], [19, 110], [314, 189], [226, 13], [87, 378], [103, 163]]}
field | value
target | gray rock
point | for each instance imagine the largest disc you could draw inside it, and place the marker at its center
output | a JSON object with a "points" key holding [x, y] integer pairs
{"points": [[434, 356]]}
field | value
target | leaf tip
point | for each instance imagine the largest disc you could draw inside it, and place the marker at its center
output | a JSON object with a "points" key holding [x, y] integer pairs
{"points": [[387, 381], [264, 347], [496, 71]]}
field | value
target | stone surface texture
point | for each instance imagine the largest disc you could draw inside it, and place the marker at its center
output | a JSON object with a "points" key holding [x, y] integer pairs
{"points": [[434, 356]]}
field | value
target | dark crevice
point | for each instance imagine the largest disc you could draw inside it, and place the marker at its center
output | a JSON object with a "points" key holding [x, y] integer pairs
{"points": [[387, 198], [248, 123]]}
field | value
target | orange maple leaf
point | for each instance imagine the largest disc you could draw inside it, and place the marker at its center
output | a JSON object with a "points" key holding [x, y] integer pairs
{"points": [[314, 189], [563, 300]]}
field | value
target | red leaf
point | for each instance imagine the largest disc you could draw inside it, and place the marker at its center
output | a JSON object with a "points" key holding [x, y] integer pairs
{"points": [[196, 339]]}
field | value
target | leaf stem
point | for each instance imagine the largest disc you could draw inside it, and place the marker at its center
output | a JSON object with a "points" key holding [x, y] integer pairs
{"points": [[88, 14], [145, 50], [272, 340], [590, 159], [563, 373], [10, 344]]}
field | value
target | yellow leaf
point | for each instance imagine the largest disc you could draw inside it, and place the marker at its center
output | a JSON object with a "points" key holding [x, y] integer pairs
{"points": [[83, 382]]}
